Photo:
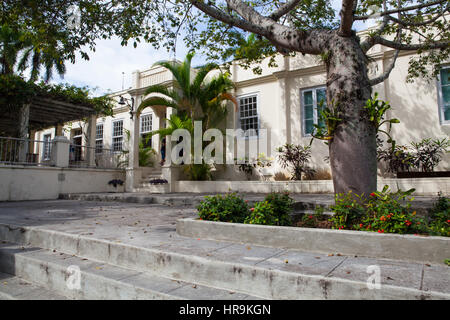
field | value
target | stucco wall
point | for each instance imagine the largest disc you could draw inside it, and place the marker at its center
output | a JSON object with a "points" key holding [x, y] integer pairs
{"points": [[25, 183]]}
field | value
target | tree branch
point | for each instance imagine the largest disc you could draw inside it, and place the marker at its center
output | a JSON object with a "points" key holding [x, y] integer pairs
{"points": [[386, 73], [388, 12], [311, 41], [417, 24], [404, 46], [284, 9], [347, 11]]}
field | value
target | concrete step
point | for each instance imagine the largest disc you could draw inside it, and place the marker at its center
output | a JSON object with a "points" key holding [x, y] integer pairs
{"points": [[270, 273], [97, 280], [155, 175], [152, 188], [15, 288]]}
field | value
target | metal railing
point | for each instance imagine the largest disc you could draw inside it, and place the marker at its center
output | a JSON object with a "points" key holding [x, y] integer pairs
{"points": [[103, 158], [15, 151]]}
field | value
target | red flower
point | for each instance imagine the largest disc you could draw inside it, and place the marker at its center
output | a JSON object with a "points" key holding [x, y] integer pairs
{"points": [[383, 218], [360, 225], [372, 194], [252, 209], [408, 223], [381, 231], [310, 216], [448, 221]]}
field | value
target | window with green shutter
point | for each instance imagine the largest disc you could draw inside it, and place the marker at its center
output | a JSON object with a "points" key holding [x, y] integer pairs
{"points": [[313, 101], [444, 94]]}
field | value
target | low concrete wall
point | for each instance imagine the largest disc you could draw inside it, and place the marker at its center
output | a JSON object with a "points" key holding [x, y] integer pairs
{"points": [[42, 183], [423, 186], [346, 242]]}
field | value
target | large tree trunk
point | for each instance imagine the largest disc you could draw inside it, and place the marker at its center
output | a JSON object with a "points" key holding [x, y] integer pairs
{"points": [[353, 155]]}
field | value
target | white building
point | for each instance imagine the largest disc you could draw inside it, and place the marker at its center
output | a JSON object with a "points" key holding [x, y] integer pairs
{"points": [[283, 100]]}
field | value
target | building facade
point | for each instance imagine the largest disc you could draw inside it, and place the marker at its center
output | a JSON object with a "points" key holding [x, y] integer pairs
{"points": [[282, 101]]}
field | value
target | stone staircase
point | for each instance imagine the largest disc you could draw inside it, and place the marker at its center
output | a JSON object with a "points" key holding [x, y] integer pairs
{"points": [[146, 185], [195, 269]]}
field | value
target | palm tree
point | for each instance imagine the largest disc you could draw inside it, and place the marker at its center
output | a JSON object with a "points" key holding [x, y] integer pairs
{"points": [[18, 52], [196, 97]]}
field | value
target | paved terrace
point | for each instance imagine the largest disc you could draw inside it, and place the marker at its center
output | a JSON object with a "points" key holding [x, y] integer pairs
{"points": [[153, 226]]}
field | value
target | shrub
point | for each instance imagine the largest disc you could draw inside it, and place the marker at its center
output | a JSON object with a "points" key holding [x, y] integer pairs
{"points": [[274, 210], [262, 213], [347, 210], [228, 208], [198, 172], [428, 153], [282, 207], [383, 212], [397, 158], [439, 224], [296, 158], [316, 220]]}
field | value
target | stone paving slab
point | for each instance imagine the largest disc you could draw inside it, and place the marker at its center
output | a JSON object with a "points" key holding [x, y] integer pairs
{"points": [[14, 288], [153, 226]]}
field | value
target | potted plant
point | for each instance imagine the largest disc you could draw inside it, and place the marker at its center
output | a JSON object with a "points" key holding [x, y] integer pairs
{"points": [[116, 185]]}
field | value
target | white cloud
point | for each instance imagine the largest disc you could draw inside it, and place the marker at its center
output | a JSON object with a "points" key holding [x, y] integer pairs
{"points": [[104, 68]]}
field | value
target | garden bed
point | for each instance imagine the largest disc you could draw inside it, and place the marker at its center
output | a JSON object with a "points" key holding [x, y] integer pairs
{"points": [[345, 242], [436, 174]]}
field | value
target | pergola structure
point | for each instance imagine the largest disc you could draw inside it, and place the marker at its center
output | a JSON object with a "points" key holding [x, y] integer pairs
{"points": [[42, 113]]}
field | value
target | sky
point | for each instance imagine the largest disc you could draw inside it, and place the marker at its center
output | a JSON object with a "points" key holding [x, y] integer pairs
{"points": [[103, 71]]}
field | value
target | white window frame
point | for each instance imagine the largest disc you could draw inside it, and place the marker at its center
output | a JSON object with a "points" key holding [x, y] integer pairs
{"points": [[113, 136], [302, 106], [140, 122], [441, 97], [97, 139], [47, 147], [248, 95]]}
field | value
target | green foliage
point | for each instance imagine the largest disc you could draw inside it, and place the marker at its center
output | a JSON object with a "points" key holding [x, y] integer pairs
{"points": [[313, 220], [227, 208], [14, 92], [274, 210], [329, 118], [146, 154], [382, 211], [296, 158], [282, 205], [428, 153], [262, 213], [376, 110], [198, 172], [397, 158], [439, 224], [424, 155], [391, 212], [198, 97], [347, 210]]}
